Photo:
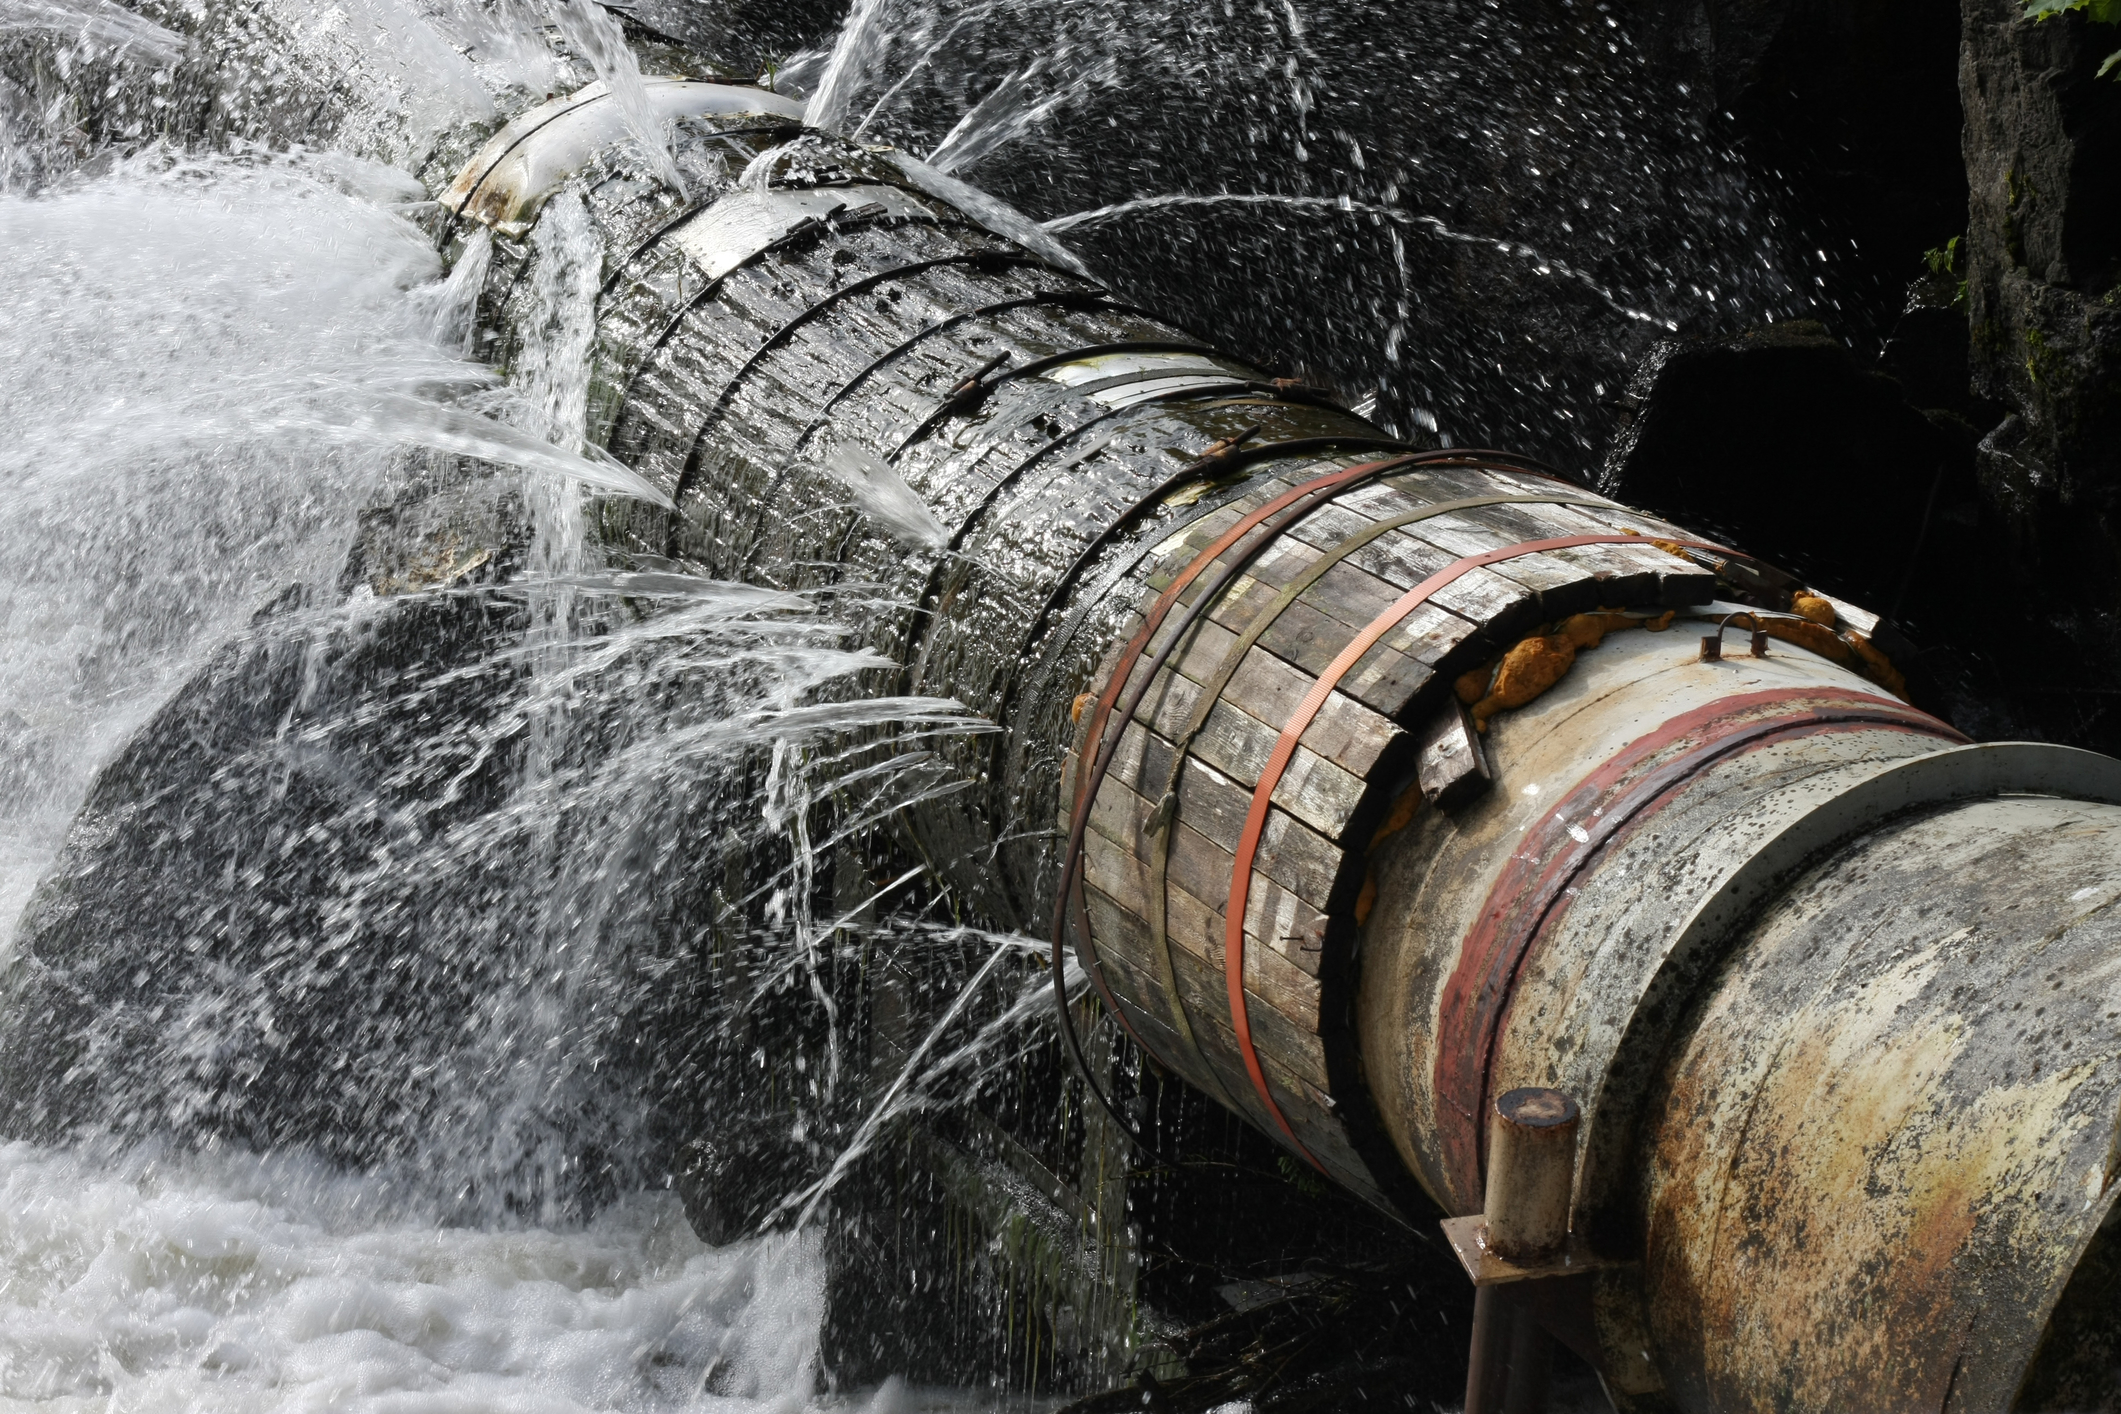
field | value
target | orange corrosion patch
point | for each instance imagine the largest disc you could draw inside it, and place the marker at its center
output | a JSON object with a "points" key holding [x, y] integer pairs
{"points": [[1537, 663], [1808, 605]]}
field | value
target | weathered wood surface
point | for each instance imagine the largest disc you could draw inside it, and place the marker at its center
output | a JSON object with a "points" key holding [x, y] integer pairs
{"points": [[1066, 513], [1313, 843]]}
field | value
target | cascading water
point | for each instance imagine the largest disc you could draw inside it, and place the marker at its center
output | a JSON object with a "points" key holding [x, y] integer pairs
{"points": [[544, 852], [382, 1143]]}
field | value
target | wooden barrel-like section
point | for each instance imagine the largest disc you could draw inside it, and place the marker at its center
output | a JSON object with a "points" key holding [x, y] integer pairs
{"points": [[1262, 619], [1238, 647], [1077, 455]]}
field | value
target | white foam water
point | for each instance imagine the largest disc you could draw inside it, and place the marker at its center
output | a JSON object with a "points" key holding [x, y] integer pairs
{"points": [[213, 361], [210, 361], [147, 1281]]}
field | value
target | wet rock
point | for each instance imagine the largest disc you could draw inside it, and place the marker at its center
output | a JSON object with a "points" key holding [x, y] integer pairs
{"points": [[1783, 443], [1782, 440], [2043, 245], [732, 1179], [2043, 154], [193, 965], [1847, 118]]}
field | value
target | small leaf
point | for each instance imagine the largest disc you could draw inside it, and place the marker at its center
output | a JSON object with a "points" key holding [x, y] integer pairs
{"points": [[2108, 67]]}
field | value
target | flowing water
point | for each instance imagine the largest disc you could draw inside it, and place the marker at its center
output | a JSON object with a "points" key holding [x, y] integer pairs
{"points": [[218, 363], [541, 854]]}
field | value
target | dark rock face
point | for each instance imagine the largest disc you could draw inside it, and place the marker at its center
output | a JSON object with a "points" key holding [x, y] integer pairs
{"points": [[1862, 480], [1845, 117], [2043, 158], [183, 970], [1975, 467], [1783, 440]]}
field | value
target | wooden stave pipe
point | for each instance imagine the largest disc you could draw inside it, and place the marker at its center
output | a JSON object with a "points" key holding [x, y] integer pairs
{"points": [[1040, 764]]}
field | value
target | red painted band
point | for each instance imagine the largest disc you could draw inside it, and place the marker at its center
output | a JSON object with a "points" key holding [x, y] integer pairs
{"points": [[1285, 751], [1097, 750], [1535, 887]]}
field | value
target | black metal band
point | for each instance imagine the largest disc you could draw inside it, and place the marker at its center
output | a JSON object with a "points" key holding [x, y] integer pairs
{"points": [[1079, 300], [806, 229], [992, 259], [953, 405]]}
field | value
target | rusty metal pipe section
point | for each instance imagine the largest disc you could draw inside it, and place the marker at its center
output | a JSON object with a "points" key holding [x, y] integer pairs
{"points": [[1797, 953], [1387, 781], [1531, 1181], [1531, 1173]]}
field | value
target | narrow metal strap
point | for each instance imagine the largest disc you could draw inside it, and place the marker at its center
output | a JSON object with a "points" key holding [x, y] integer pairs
{"points": [[1163, 824], [949, 406], [1096, 757], [683, 218], [1066, 584], [1081, 301], [839, 218], [994, 258], [1285, 751], [1218, 468], [1072, 857], [917, 666]]}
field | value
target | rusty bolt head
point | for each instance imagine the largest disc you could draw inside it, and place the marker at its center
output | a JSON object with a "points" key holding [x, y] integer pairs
{"points": [[1535, 1107]]}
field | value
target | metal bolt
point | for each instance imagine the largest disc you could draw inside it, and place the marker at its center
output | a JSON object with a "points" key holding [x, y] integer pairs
{"points": [[1531, 1168], [1531, 1172]]}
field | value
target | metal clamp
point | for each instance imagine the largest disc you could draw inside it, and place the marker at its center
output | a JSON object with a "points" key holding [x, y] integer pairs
{"points": [[1712, 644], [1521, 1239]]}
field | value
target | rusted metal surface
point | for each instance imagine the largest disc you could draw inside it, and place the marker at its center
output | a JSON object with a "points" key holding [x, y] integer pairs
{"points": [[1889, 1135], [1484, 1266], [1531, 1173], [1859, 1153], [1572, 996], [1648, 914], [1541, 876], [1520, 1241]]}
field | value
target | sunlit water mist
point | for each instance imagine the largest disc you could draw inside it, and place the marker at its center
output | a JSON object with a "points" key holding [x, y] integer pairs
{"points": [[441, 983], [1216, 140]]}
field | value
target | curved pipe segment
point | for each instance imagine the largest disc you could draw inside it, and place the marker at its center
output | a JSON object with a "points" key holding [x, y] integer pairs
{"points": [[1831, 986]]}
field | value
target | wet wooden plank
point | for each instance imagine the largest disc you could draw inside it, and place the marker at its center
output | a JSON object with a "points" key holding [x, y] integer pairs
{"points": [[1275, 917], [1268, 688], [1301, 1053], [1484, 597], [1313, 789], [1197, 949], [1307, 638], [1206, 1066], [1400, 560], [1290, 854]]}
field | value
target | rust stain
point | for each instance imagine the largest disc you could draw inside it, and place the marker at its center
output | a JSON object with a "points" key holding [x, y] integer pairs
{"points": [[1537, 662], [1532, 889], [1854, 1193]]}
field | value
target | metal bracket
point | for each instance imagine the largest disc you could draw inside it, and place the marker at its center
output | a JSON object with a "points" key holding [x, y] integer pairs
{"points": [[1469, 1241]]}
